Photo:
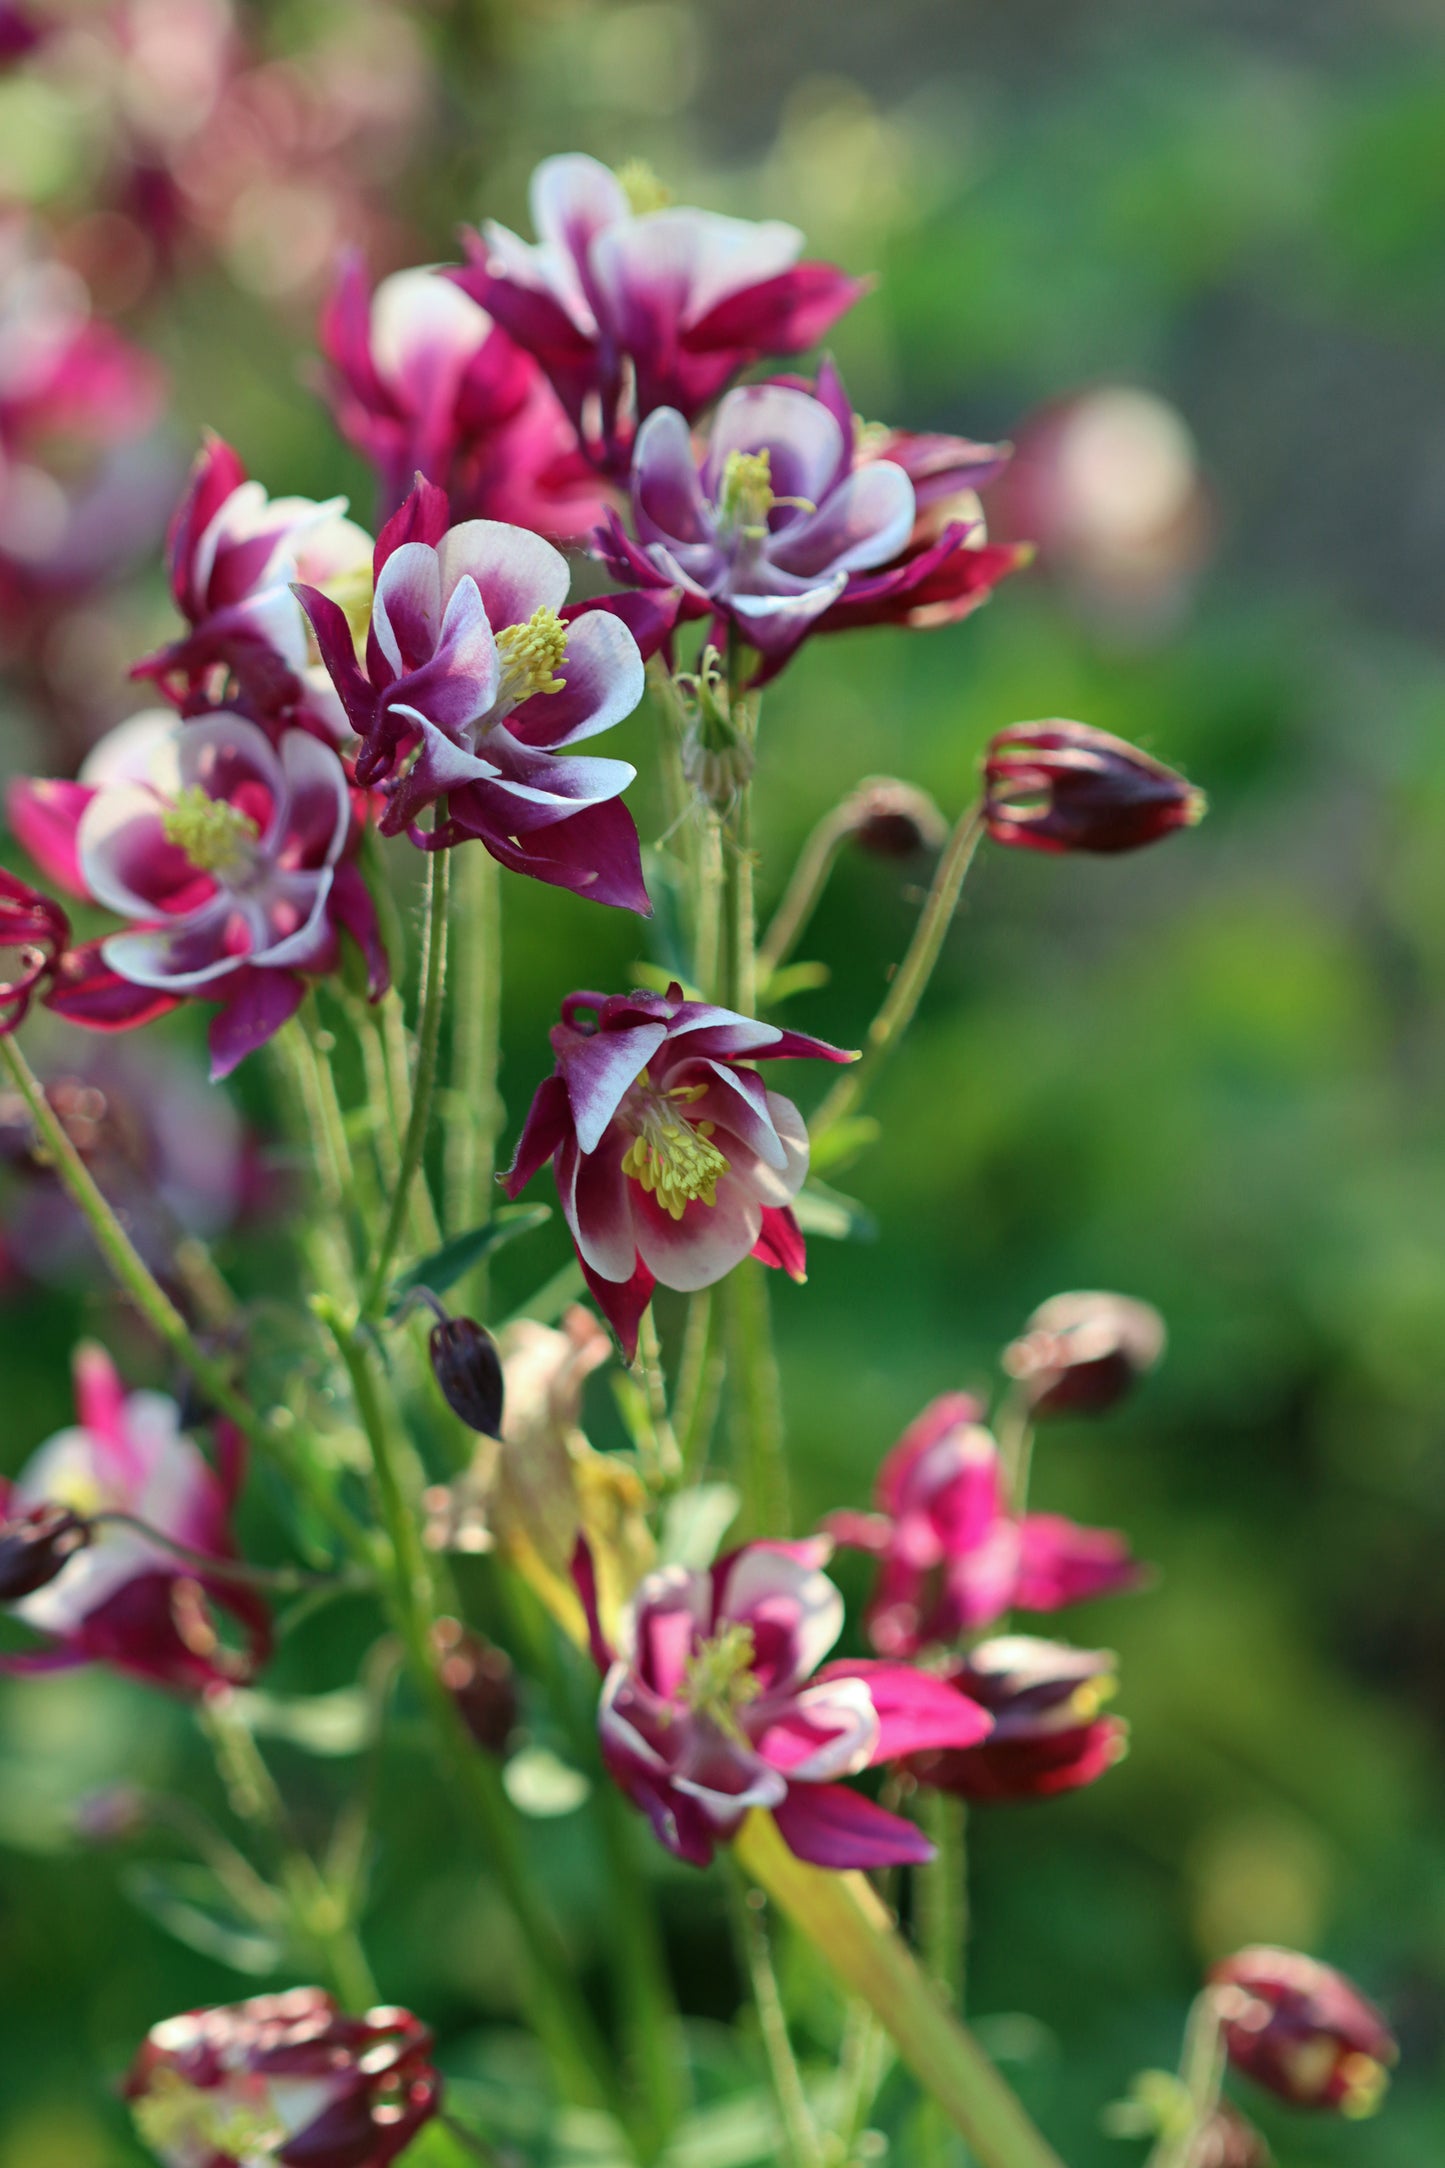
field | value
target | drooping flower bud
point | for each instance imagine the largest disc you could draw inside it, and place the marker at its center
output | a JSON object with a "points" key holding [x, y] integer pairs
{"points": [[891, 819], [1048, 1734], [1060, 786], [480, 1679], [36, 1546], [1303, 2031], [468, 1369], [1079, 1354], [286, 2079]]}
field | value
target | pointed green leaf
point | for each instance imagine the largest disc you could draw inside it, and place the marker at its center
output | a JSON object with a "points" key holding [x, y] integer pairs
{"points": [[444, 1267]]}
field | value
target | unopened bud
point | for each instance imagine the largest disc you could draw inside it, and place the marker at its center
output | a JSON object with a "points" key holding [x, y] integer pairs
{"points": [[36, 1546], [468, 1369], [1080, 1353], [891, 819], [480, 1680], [1065, 787], [1303, 2031]]}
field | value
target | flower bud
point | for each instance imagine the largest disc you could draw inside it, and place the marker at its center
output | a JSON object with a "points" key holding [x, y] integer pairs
{"points": [[286, 2079], [36, 1546], [480, 1680], [1064, 787], [1229, 2140], [1080, 1353], [890, 819], [1048, 1735], [1301, 2030], [468, 1369]]}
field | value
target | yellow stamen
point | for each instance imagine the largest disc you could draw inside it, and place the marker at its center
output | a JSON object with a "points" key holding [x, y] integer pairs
{"points": [[673, 1159], [177, 2118], [746, 497], [530, 654], [1366, 2084], [352, 592], [215, 837], [720, 1679], [643, 189]]}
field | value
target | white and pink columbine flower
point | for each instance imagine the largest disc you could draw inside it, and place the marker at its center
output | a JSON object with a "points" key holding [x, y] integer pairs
{"points": [[673, 1160], [630, 306], [123, 1599], [714, 1705]]}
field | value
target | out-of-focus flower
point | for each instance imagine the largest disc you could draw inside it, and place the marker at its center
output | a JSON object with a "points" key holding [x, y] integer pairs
{"points": [[480, 1679], [713, 1705], [64, 373], [891, 819], [422, 381], [1048, 1735], [673, 1161], [476, 685], [234, 555], [468, 1369], [1065, 787], [1079, 1354], [35, 1547], [630, 308], [1302, 2030], [952, 1557], [36, 929], [21, 32], [782, 529], [124, 1599], [232, 852], [287, 2079]]}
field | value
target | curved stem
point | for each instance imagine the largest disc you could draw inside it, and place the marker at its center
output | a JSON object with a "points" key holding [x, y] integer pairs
{"points": [[284, 1580], [805, 887], [473, 1112], [1201, 2073], [428, 1039], [799, 2129]]}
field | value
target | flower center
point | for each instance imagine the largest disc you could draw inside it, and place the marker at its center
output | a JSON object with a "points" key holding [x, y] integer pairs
{"points": [[719, 1679], [644, 191], [177, 2119], [675, 1160], [530, 654], [216, 837], [746, 496]]}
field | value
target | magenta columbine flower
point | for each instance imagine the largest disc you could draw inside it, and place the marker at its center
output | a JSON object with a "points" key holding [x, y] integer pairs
{"points": [[1303, 2031], [713, 1704], [1048, 1733], [233, 854], [673, 1160], [1066, 787], [233, 555], [631, 305], [122, 1599], [421, 381], [1081, 1353], [285, 2079], [476, 685], [952, 1558]]}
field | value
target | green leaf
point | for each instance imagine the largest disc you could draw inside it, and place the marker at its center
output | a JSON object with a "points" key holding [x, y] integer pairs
{"points": [[695, 1523], [190, 1904], [659, 979], [538, 1782], [840, 1146], [444, 1267], [793, 979], [827, 1212], [338, 1723]]}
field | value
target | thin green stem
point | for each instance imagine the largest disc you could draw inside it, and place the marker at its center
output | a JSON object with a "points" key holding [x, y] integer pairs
{"points": [[428, 1040], [756, 1401], [699, 1384], [805, 887], [708, 914], [799, 2130], [281, 1580], [913, 974], [312, 1046], [1201, 2073], [942, 1891], [667, 1460], [473, 1115]]}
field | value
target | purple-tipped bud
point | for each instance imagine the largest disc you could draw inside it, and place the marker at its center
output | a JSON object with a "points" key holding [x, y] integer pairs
{"points": [[1079, 1354], [469, 1371], [890, 819], [36, 1546], [1303, 2031], [1064, 787], [480, 1680]]}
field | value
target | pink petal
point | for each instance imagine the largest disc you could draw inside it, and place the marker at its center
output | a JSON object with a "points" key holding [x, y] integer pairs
{"points": [[44, 817], [258, 1003], [603, 680], [1063, 1563], [863, 522], [549, 1121], [516, 573], [779, 315], [592, 1191], [599, 1071], [916, 1709], [781, 1244], [705, 1244], [829, 1826], [621, 1303]]}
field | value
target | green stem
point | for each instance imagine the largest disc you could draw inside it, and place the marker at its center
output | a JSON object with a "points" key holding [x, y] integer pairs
{"points": [[756, 1401], [913, 974], [805, 887], [666, 1469], [310, 1048], [300, 1468], [799, 2130], [1201, 2073], [699, 1384], [473, 1111], [707, 929], [942, 1891], [428, 1040]]}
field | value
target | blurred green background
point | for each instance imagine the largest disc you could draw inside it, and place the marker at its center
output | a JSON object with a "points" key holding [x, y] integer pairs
{"points": [[1210, 1075]]}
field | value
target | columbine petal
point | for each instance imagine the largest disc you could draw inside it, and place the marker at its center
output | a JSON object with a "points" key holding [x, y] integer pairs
{"points": [[829, 1826], [516, 573]]}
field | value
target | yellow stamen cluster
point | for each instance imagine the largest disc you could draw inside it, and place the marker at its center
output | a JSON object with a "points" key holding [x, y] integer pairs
{"points": [[353, 593], [175, 2117], [644, 191], [530, 655], [675, 1160], [719, 1678], [746, 496], [216, 837]]}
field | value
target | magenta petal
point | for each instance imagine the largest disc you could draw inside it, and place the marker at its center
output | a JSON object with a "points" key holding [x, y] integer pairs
{"points": [[916, 1709], [99, 1395], [89, 993], [258, 1003], [338, 652], [44, 816], [599, 1071], [351, 907], [424, 517], [622, 1303], [829, 1826], [549, 1121], [781, 1243], [650, 617], [1062, 1563], [781, 315]]}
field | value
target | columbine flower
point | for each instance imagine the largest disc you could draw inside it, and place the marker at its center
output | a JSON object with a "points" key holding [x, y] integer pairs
{"points": [[475, 683], [231, 851], [1079, 1354], [952, 1556], [787, 527], [1065, 787], [631, 306], [36, 930], [234, 554], [286, 2079], [713, 1705], [123, 1599], [422, 381], [673, 1160], [1048, 1735], [1302, 2030]]}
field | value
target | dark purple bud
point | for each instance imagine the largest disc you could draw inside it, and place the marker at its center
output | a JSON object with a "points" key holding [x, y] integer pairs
{"points": [[36, 1546], [480, 1680], [469, 1371], [1064, 787], [1303, 2031], [1079, 1354], [890, 819]]}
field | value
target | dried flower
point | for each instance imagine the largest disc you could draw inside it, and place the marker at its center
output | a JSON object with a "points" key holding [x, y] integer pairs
{"points": [[1303, 2031], [1064, 787], [1079, 1354]]}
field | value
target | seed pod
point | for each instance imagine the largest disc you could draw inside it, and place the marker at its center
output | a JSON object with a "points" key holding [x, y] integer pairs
{"points": [[1079, 1354], [36, 1546], [469, 1371], [1303, 2031], [480, 1679]]}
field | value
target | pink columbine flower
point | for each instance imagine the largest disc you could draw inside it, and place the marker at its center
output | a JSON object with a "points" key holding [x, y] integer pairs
{"points": [[673, 1160], [422, 381], [232, 852], [1302, 2030], [631, 308], [785, 526], [713, 1704], [952, 1558], [234, 555], [285, 2079], [477, 684], [1048, 1736], [122, 1599]]}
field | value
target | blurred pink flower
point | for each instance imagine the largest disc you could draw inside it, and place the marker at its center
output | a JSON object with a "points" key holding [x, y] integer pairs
{"points": [[1048, 1734], [1302, 2030]]}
